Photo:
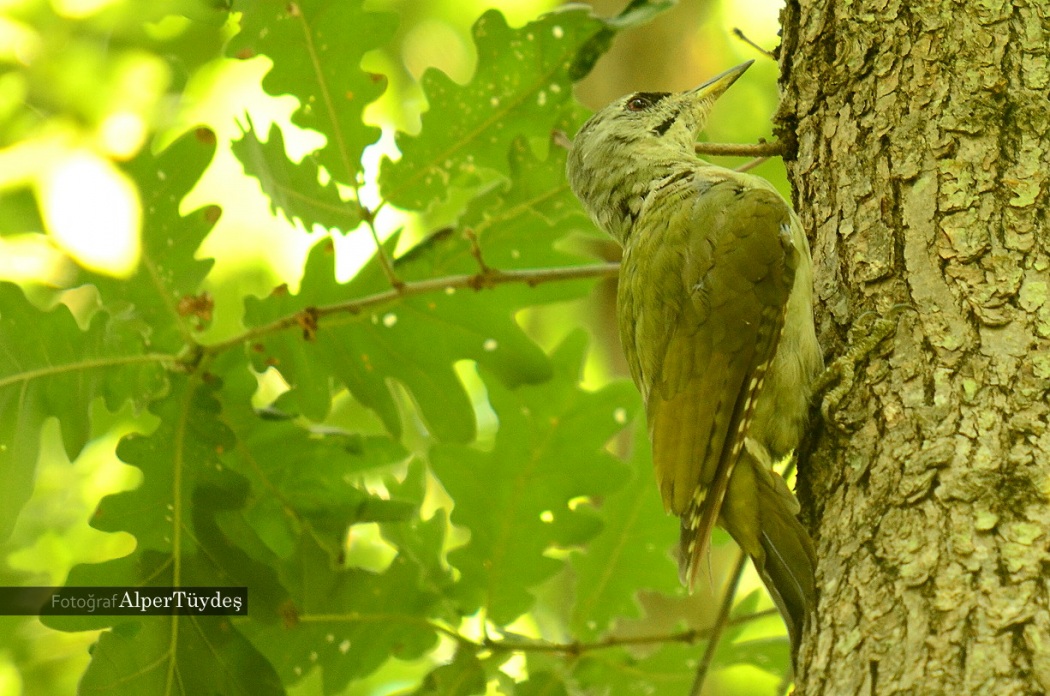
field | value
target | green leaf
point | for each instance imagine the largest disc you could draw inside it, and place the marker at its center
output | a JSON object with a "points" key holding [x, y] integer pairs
{"points": [[293, 189], [542, 684], [174, 515], [348, 621], [179, 461], [518, 225], [302, 481], [515, 499], [632, 552], [636, 12], [185, 655], [414, 339], [316, 47], [250, 511], [521, 82], [464, 676], [667, 669], [762, 643], [49, 367], [19, 212], [771, 654], [423, 541], [53, 368], [161, 300]]}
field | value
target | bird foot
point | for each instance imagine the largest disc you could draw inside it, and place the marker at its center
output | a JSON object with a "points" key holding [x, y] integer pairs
{"points": [[837, 381]]}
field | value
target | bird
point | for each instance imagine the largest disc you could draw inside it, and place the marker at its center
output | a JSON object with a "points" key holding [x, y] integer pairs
{"points": [[715, 314]]}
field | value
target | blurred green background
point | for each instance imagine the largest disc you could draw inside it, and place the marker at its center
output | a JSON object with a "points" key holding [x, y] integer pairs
{"points": [[86, 84]]}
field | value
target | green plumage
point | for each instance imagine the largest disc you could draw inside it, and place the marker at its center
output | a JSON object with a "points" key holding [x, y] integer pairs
{"points": [[715, 315]]}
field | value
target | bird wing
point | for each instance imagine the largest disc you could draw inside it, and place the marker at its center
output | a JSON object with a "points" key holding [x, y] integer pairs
{"points": [[705, 327]]}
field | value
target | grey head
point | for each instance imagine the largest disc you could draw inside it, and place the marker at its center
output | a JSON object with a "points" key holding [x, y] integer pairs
{"points": [[637, 140]]}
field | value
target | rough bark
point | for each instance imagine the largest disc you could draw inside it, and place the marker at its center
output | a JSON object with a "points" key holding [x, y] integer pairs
{"points": [[922, 139]]}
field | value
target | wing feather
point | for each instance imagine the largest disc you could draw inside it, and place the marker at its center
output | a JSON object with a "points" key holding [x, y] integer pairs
{"points": [[699, 336]]}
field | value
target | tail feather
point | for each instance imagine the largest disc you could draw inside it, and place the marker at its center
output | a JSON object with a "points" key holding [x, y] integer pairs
{"points": [[759, 512], [786, 567]]}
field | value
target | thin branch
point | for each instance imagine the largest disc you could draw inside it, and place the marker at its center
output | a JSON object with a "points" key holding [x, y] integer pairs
{"points": [[748, 166], [738, 33], [561, 139], [578, 648], [475, 250], [384, 261], [721, 621], [572, 649], [775, 149], [477, 281]]}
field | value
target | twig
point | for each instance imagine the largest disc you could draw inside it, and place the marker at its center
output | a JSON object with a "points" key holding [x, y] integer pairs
{"points": [[721, 621], [740, 149], [573, 649], [561, 139], [748, 166], [369, 217], [475, 251], [738, 33], [478, 281], [577, 648]]}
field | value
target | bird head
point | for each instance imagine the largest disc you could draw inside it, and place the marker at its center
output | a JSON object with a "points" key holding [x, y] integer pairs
{"points": [[623, 146]]}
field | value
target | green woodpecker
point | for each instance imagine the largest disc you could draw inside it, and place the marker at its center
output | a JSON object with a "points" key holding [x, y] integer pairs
{"points": [[716, 321]]}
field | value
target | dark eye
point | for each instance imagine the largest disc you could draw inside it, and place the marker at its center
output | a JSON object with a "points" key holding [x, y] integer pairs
{"points": [[638, 104]]}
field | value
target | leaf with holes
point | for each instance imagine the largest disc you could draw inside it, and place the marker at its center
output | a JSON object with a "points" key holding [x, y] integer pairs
{"points": [[302, 481], [316, 47], [415, 339], [523, 498], [346, 621], [162, 299], [664, 669], [521, 223], [632, 552], [521, 81]]}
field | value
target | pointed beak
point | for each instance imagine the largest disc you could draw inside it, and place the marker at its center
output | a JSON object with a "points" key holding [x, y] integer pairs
{"points": [[713, 88]]}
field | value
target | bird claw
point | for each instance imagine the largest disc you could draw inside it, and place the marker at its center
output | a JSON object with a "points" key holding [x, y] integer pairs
{"points": [[837, 381]]}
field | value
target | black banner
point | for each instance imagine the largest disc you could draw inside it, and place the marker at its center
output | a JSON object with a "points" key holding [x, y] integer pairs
{"points": [[123, 601]]}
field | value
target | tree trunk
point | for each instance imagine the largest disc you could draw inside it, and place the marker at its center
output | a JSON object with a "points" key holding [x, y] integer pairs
{"points": [[922, 134]]}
